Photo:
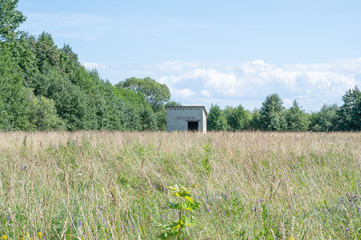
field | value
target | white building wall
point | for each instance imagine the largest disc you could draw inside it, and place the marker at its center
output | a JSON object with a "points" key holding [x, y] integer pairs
{"points": [[204, 122], [178, 118]]}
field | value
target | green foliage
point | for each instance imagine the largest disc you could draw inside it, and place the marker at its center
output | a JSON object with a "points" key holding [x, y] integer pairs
{"points": [[237, 118], [155, 93], [10, 19], [43, 114], [206, 165], [272, 114], [44, 87], [255, 120], [46, 52], [216, 121], [350, 111], [161, 119], [183, 203], [297, 120], [54, 92], [139, 110], [173, 104], [13, 95], [325, 120]]}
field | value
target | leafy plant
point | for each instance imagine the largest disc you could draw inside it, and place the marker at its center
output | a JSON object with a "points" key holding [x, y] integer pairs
{"points": [[183, 203], [206, 163]]}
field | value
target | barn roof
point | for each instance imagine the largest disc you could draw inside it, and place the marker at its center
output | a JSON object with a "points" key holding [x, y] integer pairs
{"points": [[204, 108]]}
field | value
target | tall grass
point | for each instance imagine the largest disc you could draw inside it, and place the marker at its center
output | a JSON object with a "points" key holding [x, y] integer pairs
{"points": [[112, 185]]}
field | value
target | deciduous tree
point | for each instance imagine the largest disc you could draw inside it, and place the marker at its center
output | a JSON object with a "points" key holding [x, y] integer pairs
{"points": [[216, 121], [10, 19], [325, 120], [155, 93], [237, 118]]}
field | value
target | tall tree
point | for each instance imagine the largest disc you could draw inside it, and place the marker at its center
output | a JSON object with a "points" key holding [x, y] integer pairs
{"points": [[10, 19], [255, 120], [272, 114], [297, 119], [325, 120], [155, 93], [14, 103], [43, 114], [237, 118], [216, 121], [350, 111]]}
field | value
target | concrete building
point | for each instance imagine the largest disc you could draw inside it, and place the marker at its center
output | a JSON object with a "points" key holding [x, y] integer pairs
{"points": [[187, 118]]}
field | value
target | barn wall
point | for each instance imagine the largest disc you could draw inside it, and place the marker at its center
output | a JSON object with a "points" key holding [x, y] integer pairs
{"points": [[178, 117], [204, 122]]}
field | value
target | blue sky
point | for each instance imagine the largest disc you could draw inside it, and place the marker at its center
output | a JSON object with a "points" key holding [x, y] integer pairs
{"points": [[222, 52]]}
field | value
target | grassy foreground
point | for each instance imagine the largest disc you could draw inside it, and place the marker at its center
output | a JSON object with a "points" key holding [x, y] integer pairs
{"points": [[112, 185]]}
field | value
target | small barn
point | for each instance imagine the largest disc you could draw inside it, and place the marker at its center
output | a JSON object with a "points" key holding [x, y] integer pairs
{"points": [[187, 118]]}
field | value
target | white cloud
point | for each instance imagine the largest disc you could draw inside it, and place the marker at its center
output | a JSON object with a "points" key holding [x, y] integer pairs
{"points": [[184, 93], [205, 93], [95, 66], [213, 78], [248, 83], [91, 65]]}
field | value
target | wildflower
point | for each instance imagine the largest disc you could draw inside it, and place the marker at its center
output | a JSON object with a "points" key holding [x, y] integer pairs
{"points": [[40, 234], [4, 237], [292, 238], [24, 168]]}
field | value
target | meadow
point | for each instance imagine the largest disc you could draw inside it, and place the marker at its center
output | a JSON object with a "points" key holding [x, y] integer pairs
{"points": [[113, 185]]}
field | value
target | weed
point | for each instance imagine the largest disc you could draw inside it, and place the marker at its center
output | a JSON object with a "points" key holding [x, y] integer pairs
{"points": [[206, 165], [183, 203]]}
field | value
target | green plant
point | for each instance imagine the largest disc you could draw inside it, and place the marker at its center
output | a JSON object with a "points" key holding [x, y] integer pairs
{"points": [[205, 162], [183, 203]]}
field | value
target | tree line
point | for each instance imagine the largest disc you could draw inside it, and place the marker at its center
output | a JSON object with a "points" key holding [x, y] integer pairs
{"points": [[273, 116], [44, 88]]}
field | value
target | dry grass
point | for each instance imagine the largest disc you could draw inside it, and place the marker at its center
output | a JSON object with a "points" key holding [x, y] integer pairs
{"points": [[111, 185]]}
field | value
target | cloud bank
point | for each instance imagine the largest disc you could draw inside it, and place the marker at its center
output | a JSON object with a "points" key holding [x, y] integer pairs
{"points": [[248, 83]]}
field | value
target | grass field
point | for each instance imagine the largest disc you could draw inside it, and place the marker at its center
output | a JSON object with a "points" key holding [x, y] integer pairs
{"points": [[112, 185]]}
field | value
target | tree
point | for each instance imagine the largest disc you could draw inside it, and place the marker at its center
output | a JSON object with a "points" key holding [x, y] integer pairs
{"points": [[10, 19], [325, 120], [216, 121], [350, 111], [155, 93], [43, 87], [297, 119], [272, 114], [148, 120], [47, 53], [173, 104], [14, 102], [43, 114], [255, 120], [237, 118]]}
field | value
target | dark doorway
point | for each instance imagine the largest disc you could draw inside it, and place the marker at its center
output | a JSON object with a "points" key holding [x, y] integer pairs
{"points": [[193, 126]]}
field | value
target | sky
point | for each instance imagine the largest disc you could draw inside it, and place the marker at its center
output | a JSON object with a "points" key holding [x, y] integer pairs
{"points": [[227, 52]]}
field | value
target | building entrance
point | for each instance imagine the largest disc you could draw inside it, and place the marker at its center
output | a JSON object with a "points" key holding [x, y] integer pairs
{"points": [[193, 126]]}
